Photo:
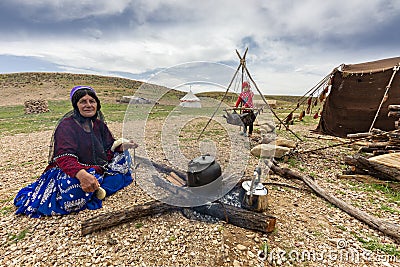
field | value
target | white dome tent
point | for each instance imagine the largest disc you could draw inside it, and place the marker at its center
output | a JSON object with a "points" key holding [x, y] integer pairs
{"points": [[190, 100]]}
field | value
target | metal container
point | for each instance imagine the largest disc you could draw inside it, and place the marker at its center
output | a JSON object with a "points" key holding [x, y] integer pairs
{"points": [[203, 170]]}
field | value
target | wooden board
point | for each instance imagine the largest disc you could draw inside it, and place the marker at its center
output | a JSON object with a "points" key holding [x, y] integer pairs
{"points": [[390, 160]]}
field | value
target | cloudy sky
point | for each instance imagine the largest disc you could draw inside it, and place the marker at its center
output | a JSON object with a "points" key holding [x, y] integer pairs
{"points": [[292, 44]]}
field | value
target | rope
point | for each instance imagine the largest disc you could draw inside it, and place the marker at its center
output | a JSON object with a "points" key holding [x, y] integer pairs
{"points": [[395, 69], [310, 92]]}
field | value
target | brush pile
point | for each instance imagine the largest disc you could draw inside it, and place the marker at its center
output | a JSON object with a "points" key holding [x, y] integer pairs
{"points": [[379, 142], [36, 106], [394, 111]]}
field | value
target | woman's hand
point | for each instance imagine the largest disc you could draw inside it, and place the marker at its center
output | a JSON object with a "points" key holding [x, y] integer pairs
{"points": [[128, 144], [88, 182], [123, 144]]}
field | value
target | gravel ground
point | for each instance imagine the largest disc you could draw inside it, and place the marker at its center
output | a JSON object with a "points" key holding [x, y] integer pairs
{"points": [[309, 231]]}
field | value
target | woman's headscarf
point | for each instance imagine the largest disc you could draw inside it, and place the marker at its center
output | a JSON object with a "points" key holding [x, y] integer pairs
{"points": [[77, 93]]}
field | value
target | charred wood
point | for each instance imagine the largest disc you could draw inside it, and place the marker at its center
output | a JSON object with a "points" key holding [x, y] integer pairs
{"points": [[233, 215], [239, 217], [394, 107]]}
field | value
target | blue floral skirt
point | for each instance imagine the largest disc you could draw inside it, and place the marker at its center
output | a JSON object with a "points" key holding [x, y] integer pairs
{"points": [[56, 193]]}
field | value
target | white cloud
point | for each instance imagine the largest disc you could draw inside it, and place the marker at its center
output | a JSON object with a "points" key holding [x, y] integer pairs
{"points": [[59, 10], [292, 44]]}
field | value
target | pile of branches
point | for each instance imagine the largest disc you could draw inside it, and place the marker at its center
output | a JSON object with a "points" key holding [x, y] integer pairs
{"points": [[394, 112], [378, 142]]}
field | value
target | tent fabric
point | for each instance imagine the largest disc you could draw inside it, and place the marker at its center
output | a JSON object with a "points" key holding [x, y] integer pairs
{"points": [[355, 96], [371, 67]]}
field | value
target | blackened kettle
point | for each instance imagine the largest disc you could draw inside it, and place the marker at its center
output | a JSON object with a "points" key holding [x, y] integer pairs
{"points": [[203, 170]]}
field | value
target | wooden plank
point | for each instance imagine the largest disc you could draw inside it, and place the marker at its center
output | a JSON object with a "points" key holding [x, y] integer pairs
{"points": [[391, 160]]}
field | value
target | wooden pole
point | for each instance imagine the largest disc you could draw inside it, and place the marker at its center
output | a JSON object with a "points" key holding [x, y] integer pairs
{"points": [[265, 101], [395, 69], [219, 105], [385, 227]]}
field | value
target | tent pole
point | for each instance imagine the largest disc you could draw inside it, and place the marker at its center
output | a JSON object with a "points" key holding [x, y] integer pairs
{"points": [[395, 69], [219, 105], [265, 101]]}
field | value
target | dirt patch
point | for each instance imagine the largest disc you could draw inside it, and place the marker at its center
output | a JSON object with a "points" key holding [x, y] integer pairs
{"points": [[305, 223]]}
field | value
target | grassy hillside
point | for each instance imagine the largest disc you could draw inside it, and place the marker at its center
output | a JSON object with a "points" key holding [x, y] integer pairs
{"points": [[55, 87]]}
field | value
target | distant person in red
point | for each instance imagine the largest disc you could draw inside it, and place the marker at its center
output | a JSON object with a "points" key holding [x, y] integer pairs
{"points": [[246, 100]]}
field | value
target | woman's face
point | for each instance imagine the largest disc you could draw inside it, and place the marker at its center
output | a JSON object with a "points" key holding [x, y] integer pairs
{"points": [[87, 106]]}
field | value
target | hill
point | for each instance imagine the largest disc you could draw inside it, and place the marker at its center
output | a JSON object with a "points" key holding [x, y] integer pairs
{"points": [[16, 88]]}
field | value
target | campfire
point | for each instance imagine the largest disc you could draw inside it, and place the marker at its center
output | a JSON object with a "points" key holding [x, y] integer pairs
{"points": [[244, 205]]}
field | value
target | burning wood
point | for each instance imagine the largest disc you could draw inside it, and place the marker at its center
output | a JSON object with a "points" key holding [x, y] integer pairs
{"points": [[234, 215], [238, 216]]}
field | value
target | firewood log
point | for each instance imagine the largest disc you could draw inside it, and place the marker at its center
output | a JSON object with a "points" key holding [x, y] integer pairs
{"points": [[394, 107], [394, 114], [233, 215]]}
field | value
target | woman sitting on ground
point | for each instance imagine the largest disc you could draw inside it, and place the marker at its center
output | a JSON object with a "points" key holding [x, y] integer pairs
{"points": [[85, 162]]}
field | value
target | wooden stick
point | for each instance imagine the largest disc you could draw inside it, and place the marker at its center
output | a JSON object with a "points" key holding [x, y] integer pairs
{"points": [[175, 179], [385, 227], [219, 105]]}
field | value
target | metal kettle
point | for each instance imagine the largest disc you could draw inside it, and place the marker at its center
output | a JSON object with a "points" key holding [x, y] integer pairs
{"points": [[203, 170]]}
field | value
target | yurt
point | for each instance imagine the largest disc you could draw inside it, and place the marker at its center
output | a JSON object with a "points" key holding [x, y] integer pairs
{"points": [[190, 100]]}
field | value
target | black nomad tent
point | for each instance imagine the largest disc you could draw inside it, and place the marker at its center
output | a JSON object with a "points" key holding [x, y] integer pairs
{"points": [[359, 97]]}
